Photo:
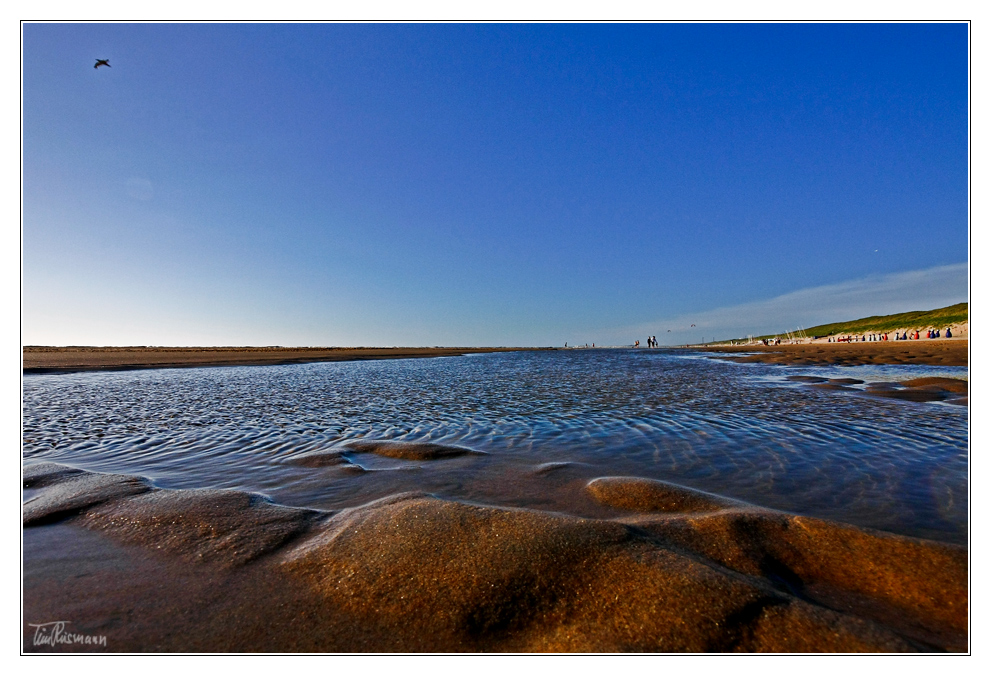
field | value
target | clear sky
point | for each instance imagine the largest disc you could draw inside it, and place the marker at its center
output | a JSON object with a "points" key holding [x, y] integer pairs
{"points": [[439, 184]]}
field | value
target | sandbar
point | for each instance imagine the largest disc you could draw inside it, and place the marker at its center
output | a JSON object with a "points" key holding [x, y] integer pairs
{"points": [[927, 352], [41, 359]]}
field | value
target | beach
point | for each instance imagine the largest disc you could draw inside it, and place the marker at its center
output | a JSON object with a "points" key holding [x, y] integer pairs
{"points": [[209, 571], [952, 352], [494, 503], [38, 359]]}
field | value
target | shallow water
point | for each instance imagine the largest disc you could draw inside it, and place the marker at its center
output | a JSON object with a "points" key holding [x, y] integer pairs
{"points": [[740, 430]]}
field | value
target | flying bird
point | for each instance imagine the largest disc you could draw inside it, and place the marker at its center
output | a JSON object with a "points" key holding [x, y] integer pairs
{"points": [[102, 62], [693, 325]]}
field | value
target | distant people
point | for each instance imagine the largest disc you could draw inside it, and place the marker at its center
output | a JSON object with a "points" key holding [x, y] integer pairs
{"points": [[948, 334]]}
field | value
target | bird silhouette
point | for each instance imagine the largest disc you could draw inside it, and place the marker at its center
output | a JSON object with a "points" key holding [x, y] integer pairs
{"points": [[102, 62]]}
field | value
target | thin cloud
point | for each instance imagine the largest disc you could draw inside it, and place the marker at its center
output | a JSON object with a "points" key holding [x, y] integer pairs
{"points": [[875, 295]]}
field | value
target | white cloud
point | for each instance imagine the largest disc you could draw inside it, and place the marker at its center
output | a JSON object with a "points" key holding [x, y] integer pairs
{"points": [[876, 295]]}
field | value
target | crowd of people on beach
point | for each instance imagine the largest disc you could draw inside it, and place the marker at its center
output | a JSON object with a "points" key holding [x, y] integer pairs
{"points": [[864, 338], [904, 335]]}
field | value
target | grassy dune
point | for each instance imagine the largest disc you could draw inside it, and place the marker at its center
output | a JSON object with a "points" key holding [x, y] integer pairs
{"points": [[919, 319], [954, 314]]}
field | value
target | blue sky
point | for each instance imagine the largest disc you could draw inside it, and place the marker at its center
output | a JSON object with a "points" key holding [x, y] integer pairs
{"points": [[439, 184]]}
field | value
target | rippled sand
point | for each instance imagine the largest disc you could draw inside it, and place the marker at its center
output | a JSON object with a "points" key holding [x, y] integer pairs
{"points": [[675, 570]]}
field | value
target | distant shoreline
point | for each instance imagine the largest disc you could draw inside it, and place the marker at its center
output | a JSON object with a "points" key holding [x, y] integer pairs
{"points": [[41, 359]]}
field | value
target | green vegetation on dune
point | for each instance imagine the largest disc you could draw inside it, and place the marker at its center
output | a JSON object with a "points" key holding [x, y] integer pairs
{"points": [[920, 319], [954, 314]]}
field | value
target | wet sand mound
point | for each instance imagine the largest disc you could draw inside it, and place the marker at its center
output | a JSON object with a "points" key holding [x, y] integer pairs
{"points": [[327, 458], [440, 575], [922, 389], [916, 586], [906, 394], [46, 474], [647, 495], [917, 390], [228, 528], [410, 450], [320, 459], [687, 571], [954, 385], [64, 494]]}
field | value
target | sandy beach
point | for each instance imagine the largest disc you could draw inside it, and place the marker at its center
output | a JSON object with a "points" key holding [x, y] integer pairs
{"points": [[37, 359], [555, 557], [668, 570], [951, 352]]}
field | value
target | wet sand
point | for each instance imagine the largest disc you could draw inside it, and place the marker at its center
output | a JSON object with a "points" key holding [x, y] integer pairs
{"points": [[37, 359], [662, 568], [927, 352]]}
